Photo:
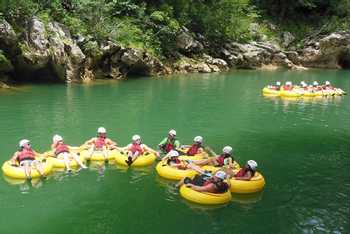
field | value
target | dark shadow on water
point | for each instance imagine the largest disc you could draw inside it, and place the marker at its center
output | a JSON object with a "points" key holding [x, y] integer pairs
{"points": [[247, 199], [24, 185], [200, 208]]}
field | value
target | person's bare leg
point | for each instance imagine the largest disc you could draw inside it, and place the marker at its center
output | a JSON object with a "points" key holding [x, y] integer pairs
{"points": [[135, 156], [27, 171], [77, 159], [203, 162], [91, 151], [105, 153], [66, 161], [39, 168]]}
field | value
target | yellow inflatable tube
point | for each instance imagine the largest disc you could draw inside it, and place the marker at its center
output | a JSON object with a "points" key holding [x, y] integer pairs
{"points": [[98, 155], [309, 94], [205, 198], [143, 160], [286, 93], [18, 172], [172, 173], [271, 92], [253, 185], [59, 163]]}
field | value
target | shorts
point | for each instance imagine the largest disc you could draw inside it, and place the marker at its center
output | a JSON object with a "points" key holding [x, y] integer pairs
{"points": [[29, 162], [61, 155]]}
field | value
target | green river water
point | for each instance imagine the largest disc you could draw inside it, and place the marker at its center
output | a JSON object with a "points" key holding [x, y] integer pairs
{"points": [[302, 148]]}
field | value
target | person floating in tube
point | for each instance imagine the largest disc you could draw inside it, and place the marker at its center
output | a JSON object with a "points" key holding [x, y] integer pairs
{"points": [[100, 143], [63, 151], [207, 182], [25, 156], [169, 143], [136, 149]]}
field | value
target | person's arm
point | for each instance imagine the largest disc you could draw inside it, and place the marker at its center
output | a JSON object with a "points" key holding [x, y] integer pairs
{"points": [[14, 158], [198, 169], [177, 144], [53, 146], [37, 154], [110, 142], [247, 176], [184, 146], [125, 148], [149, 149], [88, 142], [210, 151], [163, 142]]}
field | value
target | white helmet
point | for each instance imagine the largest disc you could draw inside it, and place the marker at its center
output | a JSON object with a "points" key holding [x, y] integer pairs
{"points": [[315, 83], [227, 150], [198, 139], [289, 83], [136, 137], [172, 132], [220, 175], [252, 164], [327, 83], [101, 130], [23, 142], [278, 83], [304, 84], [173, 153], [57, 138]]}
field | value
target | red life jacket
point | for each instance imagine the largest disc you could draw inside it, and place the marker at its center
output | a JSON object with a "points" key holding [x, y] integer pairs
{"points": [[61, 148], [221, 160], [207, 182], [169, 147], [26, 154], [136, 148], [100, 142], [286, 87], [241, 173], [220, 186], [193, 150]]}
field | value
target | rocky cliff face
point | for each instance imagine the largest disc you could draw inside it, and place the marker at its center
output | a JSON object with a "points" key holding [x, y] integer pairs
{"points": [[331, 51], [50, 48]]}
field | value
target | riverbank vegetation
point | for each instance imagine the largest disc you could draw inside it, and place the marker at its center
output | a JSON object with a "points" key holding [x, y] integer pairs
{"points": [[114, 38], [151, 25]]}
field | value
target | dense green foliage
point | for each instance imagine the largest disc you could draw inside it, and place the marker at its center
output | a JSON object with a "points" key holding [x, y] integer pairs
{"points": [[305, 17], [152, 25]]}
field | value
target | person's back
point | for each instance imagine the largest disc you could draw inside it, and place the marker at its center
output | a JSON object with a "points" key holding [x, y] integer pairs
{"points": [[247, 172], [216, 186], [221, 187]]}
